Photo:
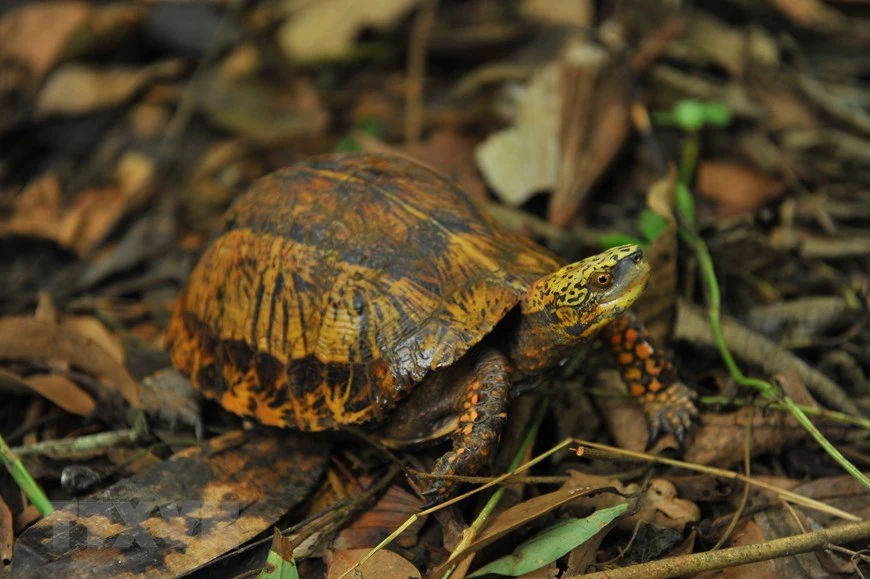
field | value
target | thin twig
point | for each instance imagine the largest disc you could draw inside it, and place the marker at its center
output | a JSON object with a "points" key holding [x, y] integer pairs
{"points": [[416, 71]]}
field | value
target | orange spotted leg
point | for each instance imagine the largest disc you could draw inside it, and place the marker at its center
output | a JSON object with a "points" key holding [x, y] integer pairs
{"points": [[482, 410], [647, 370]]}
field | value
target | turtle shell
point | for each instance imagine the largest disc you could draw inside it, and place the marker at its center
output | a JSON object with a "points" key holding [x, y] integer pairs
{"points": [[341, 283]]}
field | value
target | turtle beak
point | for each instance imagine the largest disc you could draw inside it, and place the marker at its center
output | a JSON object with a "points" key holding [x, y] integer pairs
{"points": [[631, 277]]}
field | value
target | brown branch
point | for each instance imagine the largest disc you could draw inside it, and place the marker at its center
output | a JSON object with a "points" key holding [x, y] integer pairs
{"points": [[690, 564]]}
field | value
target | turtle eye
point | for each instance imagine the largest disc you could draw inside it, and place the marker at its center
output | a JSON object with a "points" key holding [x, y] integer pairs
{"points": [[603, 280]]}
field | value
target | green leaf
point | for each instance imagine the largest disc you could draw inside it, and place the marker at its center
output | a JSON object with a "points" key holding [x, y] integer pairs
{"points": [[278, 565], [690, 114], [663, 118], [651, 224], [551, 544], [349, 144], [717, 114], [616, 239], [685, 205]]}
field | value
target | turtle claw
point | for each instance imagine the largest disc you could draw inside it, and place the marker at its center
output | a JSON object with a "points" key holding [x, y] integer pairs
{"points": [[672, 411]]}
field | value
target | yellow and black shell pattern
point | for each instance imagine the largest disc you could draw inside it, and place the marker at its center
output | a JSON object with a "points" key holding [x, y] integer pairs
{"points": [[338, 285]]}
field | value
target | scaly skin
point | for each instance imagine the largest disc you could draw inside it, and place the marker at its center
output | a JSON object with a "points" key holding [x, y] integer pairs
{"points": [[651, 378]]}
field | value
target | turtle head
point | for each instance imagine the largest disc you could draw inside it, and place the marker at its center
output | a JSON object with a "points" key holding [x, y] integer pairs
{"points": [[570, 306]]}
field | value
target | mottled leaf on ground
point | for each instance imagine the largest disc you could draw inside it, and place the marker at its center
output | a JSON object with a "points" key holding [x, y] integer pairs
{"points": [[46, 343], [75, 89], [304, 37], [736, 189], [6, 535], [280, 563], [382, 565], [553, 543], [168, 521], [658, 503], [376, 522], [525, 513]]}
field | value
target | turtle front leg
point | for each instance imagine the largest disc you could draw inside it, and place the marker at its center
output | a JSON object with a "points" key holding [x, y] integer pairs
{"points": [[647, 370], [482, 409]]}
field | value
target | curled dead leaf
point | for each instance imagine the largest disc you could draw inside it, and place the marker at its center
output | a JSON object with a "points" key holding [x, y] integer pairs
{"points": [[27, 338], [736, 189], [75, 89], [658, 504]]}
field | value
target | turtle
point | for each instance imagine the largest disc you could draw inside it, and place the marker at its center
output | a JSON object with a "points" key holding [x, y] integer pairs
{"points": [[368, 291]]}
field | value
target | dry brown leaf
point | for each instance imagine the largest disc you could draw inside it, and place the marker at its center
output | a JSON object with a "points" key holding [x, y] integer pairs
{"points": [[92, 213], [92, 328], [76, 89], [133, 172], [747, 534], [524, 159], [385, 516], [62, 392], [624, 417], [383, 565], [720, 439], [327, 28], [659, 503], [37, 209], [656, 305], [36, 34], [560, 12], [452, 155], [811, 14], [526, 512], [600, 140], [31, 339], [38, 212], [265, 112], [784, 109], [736, 189], [6, 534]]}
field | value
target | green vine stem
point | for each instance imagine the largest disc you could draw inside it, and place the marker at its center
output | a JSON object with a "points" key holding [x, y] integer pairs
{"points": [[714, 310]]}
